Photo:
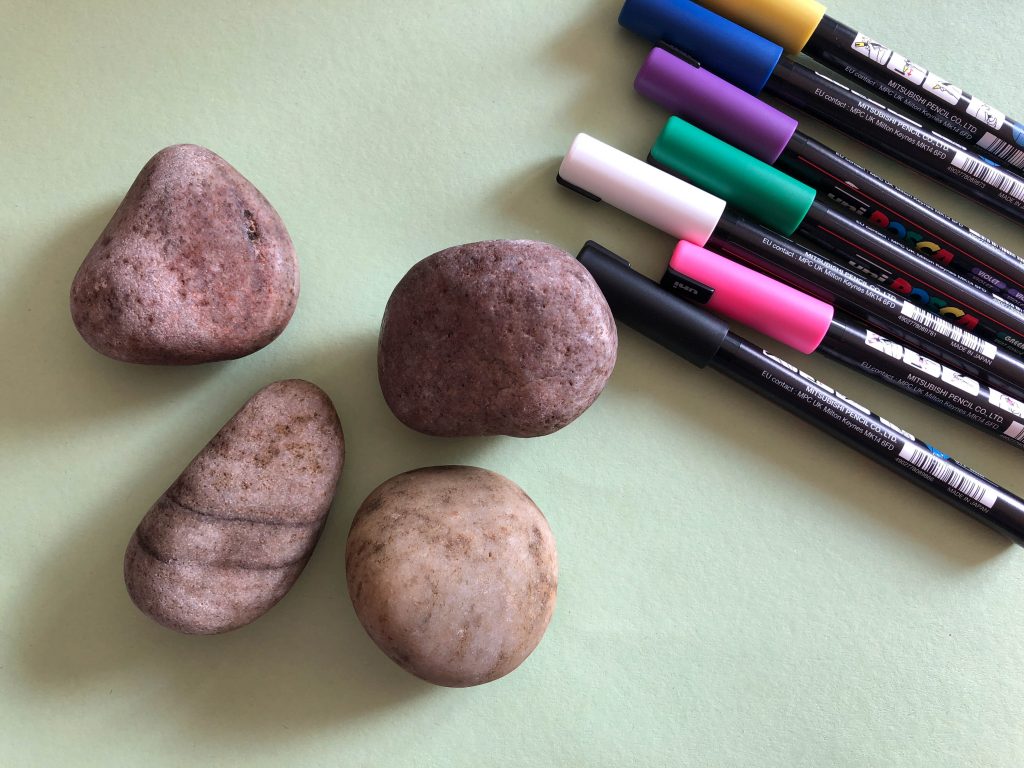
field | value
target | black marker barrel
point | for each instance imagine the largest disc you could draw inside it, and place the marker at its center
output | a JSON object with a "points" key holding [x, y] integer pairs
{"points": [[808, 325], [633, 299], [846, 186], [901, 138], [948, 108]]}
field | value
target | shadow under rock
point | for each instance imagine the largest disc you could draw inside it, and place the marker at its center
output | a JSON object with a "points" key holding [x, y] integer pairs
{"points": [[59, 380], [378, 446], [307, 663]]}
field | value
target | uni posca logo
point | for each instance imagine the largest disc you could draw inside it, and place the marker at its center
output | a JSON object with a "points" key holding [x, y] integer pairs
{"points": [[934, 304], [917, 241]]}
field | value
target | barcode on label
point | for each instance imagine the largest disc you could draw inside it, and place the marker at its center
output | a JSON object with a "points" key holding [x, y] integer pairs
{"points": [[991, 175], [946, 473], [1004, 151], [950, 331], [1015, 431]]}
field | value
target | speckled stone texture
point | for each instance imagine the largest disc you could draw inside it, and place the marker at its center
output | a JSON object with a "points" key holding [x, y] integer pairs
{"points": [[505, 337], [195, 266], [229, 538], [453, 572]]}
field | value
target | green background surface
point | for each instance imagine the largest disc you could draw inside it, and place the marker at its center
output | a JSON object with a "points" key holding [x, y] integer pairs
{"points": [[737, 589]]}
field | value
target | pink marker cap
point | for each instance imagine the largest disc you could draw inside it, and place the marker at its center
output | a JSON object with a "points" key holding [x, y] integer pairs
{"points": [[755, 300]]}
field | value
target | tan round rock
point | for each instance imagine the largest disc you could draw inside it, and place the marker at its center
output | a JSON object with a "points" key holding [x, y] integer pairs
{"points": [[453, 572], [505, 337], [232, 534], [194, 266]]}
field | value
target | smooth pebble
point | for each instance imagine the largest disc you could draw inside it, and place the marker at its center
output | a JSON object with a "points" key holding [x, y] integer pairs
{"points": [[194, 266], [232, 534], [505, 337], [453, 573]]}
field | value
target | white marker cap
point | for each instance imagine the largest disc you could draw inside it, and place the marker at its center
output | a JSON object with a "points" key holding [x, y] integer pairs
{"points": [[641, 190]]}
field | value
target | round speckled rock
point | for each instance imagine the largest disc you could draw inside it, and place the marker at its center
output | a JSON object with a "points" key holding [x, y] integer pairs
{"points": [[505, 337], [195, 266], [452, 571], [229, 538]]}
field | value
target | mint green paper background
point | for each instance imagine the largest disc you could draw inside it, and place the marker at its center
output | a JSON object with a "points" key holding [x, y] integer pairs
{"points": [[736, 588]]}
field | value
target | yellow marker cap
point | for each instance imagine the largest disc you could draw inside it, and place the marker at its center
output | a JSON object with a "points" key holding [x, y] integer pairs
{"points": [[789, 23]]}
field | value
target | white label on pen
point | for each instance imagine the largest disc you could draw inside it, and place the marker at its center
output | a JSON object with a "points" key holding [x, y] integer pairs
{"points": [[874, 50], [947, 329], [1007, 403], [990, 116], [1015, 431], [942, 89], [924, 365], [1005, 152], [1009, 185], [907, 69], [942, 470]]}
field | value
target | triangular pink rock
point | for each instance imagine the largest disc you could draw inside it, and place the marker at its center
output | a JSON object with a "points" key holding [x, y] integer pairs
{"points": [[195, 266]]}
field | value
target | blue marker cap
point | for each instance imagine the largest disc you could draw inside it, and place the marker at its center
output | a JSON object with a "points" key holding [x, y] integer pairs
{"points": [[727, 49]]}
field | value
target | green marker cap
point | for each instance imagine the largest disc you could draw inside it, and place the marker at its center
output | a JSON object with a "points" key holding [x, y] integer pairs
{"points": [[762, 192]]}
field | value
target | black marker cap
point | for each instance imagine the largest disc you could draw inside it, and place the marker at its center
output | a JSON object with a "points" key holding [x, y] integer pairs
{"points": [[640, 303]]}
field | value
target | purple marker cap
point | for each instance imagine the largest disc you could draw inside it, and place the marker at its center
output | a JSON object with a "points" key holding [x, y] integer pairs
{"points": [[714, 105]]}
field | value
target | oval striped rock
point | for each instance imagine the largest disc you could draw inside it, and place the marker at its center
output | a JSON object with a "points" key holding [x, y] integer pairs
{"points": [[229, 538], [194, 266], [453, 573]]}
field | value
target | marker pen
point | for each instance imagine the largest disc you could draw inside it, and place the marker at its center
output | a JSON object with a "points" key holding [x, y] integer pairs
{"points": [[755, 64], [732, 114], [809, 325], [788, 206], [601, 172], [801, 25], [705, 340]]}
